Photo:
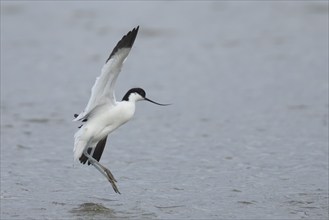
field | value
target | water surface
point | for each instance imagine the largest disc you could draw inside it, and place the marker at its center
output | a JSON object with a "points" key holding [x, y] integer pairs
{"points": [[246, 136]]}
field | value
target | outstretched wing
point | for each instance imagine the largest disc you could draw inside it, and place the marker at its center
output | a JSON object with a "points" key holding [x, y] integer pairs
{"points": [[103, 90]]}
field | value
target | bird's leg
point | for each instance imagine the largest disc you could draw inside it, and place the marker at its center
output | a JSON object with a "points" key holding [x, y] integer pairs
{"points": [[106, 172], [103, 170]]}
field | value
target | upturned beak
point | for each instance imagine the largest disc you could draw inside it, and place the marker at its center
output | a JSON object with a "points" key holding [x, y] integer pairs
{"points": [[146, 99]]}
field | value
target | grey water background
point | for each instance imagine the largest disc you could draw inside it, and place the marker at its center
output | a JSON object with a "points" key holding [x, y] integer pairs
{"points": [[246, 136]]}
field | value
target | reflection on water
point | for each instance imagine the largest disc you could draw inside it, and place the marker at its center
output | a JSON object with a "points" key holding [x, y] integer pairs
{"points": [[93, 211]]}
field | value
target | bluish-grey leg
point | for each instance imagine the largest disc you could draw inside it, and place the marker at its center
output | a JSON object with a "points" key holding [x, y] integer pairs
{"points": [[103, 170]]}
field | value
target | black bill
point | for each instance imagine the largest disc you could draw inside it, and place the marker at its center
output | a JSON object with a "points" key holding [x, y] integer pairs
{"points": [[155, 102]]}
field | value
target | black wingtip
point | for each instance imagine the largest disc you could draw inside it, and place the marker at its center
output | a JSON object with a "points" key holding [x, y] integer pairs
{"points": [[126, 41]]}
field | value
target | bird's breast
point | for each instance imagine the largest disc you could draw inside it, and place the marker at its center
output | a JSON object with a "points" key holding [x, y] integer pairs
{"points": [[108, 120], [114, 117], [125, 111]]}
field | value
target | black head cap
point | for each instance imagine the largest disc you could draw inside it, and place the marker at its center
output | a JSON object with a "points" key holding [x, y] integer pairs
{"points": [[139, 91]]}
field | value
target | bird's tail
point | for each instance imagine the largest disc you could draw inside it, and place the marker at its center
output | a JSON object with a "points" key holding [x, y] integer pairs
{"points": [[79, 145], [78, 149]]}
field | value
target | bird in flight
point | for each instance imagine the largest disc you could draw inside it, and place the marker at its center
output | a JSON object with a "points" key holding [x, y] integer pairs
{"points": [[103, 113]]}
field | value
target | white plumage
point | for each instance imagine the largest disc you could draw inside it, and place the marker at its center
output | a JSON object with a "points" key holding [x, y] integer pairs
{"points": [[103, 90], [103, 113]]}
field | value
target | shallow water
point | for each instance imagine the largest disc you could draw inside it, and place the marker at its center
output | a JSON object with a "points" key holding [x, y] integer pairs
{"points": [[246, 136]]}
